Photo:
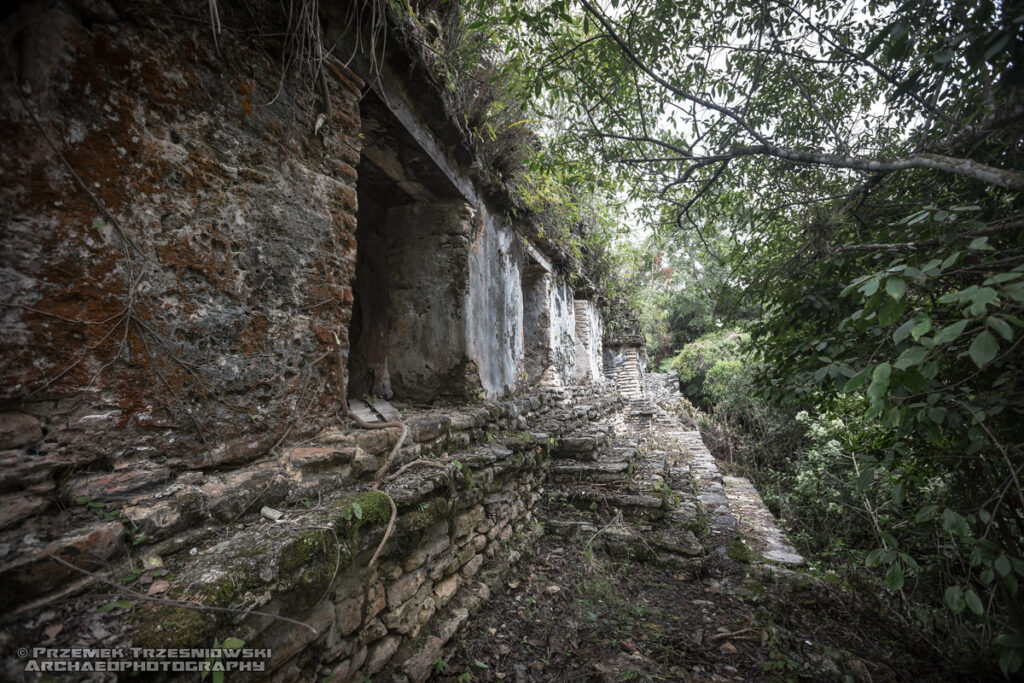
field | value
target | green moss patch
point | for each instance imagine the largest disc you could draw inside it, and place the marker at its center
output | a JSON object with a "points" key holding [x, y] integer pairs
{"points": [[739, 551], [159, 626]]}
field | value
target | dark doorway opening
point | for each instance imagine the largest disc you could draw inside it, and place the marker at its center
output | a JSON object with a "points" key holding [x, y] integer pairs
{"points": [[406, 340], [535, 286]]}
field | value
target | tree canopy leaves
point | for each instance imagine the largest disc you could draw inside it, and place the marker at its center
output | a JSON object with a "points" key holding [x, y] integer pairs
{"points": [[850, 176]]}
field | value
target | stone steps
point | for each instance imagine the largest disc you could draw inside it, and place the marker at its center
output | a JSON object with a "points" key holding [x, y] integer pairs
{"points": [[597, 472], [628, 376], [672, 483], [640, 504], [674, 547]]}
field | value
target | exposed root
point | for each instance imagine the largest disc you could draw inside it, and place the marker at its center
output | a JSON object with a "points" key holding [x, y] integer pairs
{"points": [[426, 463], [387, 532]]}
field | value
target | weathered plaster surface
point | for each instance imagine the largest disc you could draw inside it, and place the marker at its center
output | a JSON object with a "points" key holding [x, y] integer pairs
{"points": [[589, 354], [562, 330], [428, 262], [494, 313]]}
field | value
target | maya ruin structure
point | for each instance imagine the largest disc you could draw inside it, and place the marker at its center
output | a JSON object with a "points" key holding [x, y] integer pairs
{"points": [[202, 258]]}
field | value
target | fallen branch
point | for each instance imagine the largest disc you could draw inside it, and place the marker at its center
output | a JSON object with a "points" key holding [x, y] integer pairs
{"points": [[719, 636]]}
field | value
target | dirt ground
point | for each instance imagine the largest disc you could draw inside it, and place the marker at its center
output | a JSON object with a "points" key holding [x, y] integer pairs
{"points": [[569, 614]]}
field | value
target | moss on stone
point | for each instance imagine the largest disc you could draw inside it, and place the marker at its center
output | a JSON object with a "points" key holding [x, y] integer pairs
{"points": [[414, 520], [739, 551], [374, 508], [751, 590], [375, 505], [309, 563], [698, 527], [164, 626], [304, 550], [254, 552], [221, 593]]}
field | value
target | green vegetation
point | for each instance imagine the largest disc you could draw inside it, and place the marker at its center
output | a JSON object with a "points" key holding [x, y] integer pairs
{"points": [[832, 256], [739, 551]]}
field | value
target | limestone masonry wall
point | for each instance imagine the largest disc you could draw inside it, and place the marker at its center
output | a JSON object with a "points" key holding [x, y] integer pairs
{"points": [[179, 285], [219, 254], [184, 335], [457, 532]]}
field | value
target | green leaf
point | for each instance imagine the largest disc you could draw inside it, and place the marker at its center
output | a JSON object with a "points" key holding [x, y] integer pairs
{"points": [[894, 577], [857, 381], [116, 604], [1002, 327], [890, 311], [910, 562], [1000, 278], [953, 523], [899, 493], [997, 47], [877, 41], [232, 643], [950, 260], [1011, 585], [973, 601], [867, 476], [921, 328], [926, 513], [357, 510], [980, 244], [874, 558], [1015, 291], [879, 382], [896, 287], [1002, 564], [912, 356], [983, 349], [1009, 640], [954, 598], [1010, 661], [903, 331], [980, 299], [950, 332]]}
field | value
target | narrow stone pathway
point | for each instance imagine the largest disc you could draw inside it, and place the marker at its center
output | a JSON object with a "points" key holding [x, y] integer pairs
{"points": [[654, 566], [645, 483]]}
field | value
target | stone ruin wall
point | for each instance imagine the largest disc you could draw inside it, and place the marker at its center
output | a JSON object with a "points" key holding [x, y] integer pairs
{"points": [[589, 351], [179, 255], [186, 337]]}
